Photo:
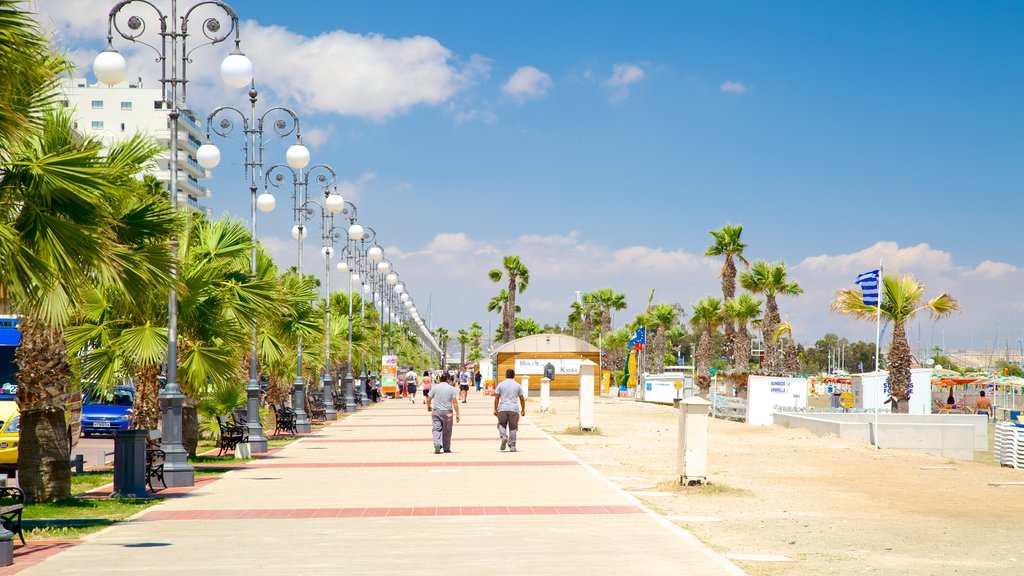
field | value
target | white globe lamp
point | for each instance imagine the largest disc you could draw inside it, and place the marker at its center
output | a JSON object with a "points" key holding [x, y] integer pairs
{"points": [[208, 155], [335, 203], [110, 67], [297, 156], [236, 70], [355, 232], [391, 278], [342, 267], [375, 253], [266, 202], [299, 232]]}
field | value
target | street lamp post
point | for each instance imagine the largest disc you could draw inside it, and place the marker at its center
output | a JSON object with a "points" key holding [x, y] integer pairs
{"points": [[236, 70], [362, 275], [329, 233], [354, 232], [253, 148], [327, 178]]}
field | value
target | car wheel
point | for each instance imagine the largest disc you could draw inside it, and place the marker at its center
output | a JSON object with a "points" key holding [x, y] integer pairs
{"points": [[86, 434]]}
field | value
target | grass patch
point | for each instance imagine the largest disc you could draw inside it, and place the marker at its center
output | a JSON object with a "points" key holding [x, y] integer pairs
{"points": [[90, 480], [109, 508], [576, 430], [708, 489], [227, 459], [280, 442]]}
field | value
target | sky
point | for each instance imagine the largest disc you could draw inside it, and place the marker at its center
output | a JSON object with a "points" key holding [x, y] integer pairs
{"points": [[602, 141]]}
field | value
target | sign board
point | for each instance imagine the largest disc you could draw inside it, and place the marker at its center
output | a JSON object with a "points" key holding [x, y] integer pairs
{"points": [[871, 390], [531, 366], [764, 393], [389, 372], [846, 400], [666, 388]]}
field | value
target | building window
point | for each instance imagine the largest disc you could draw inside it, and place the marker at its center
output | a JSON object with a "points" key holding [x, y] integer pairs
{"points": [[97, 104], [97, 124], [122, 126], [158, 105], [126, 106]]}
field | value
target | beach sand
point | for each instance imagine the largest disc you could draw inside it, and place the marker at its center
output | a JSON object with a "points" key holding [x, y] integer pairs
{"points": [[807, 505]]}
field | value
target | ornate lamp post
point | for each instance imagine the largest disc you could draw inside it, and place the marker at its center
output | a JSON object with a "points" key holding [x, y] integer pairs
{"points": [[355, 232], [253, 148], [330, 233], [327, 178], [236, 70], [362, 274]]}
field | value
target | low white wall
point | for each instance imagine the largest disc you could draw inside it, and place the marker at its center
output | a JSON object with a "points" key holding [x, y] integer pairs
{"points": [[948, 435]]}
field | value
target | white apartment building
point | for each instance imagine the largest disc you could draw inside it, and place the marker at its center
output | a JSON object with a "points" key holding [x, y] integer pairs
{"points": [[113, 113]]}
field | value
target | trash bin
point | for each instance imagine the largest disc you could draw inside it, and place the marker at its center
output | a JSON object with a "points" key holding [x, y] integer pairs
{"points": [[130, 464]]}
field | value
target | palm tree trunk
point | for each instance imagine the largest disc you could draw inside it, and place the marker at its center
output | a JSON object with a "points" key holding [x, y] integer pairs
{"points": [[44, 453], [510, 311], [899, 369], [658, 362], [147, 405], [771, 320], [729, 291], [741, 349], [704, 354], [790, 358]]}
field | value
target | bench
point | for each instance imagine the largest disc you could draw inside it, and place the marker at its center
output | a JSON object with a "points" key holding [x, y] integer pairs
{"points": [[285, 418], [155, 467], [317, 409], [231, 435], [12, 502]]}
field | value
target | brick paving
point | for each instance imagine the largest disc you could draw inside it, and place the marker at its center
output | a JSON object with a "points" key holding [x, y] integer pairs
{"points": [[367, 495]]}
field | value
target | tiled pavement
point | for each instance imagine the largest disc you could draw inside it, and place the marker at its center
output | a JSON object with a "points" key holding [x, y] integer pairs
{"points": [[367, 495]]}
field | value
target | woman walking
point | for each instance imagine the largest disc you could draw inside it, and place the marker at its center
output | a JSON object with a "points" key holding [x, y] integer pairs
{"points": [[425, 384]]}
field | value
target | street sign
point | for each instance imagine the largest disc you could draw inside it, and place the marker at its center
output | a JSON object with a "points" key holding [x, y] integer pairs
{"points": [[846, 400]]}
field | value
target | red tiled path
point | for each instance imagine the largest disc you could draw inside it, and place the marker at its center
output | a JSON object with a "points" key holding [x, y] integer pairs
{"points": [[357, 496]]}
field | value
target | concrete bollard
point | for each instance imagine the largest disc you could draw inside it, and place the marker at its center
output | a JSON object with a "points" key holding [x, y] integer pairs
{"points": [[130, 464], [6, 547], [526, 387], [692, 445], [243, 451], [586, 412], [545, 394]]}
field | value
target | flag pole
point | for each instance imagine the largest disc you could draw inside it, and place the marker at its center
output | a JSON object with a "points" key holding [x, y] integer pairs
{"points": [[878, 337]]}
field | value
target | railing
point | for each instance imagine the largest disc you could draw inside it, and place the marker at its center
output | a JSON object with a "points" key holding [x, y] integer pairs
{"points": [[728, 407]]}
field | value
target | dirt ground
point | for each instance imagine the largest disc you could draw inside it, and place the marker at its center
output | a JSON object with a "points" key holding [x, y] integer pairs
{"points": [[818, 505]]}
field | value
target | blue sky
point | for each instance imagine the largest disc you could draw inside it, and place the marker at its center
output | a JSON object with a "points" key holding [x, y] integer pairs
{"points": [[602, 140]]}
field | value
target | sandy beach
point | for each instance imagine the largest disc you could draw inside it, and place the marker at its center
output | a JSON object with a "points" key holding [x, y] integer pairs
{"points": [[807, 505]]}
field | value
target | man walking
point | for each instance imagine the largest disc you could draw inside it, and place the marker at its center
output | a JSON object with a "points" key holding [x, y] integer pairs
{"points": [[509, 403], [441, 404]]}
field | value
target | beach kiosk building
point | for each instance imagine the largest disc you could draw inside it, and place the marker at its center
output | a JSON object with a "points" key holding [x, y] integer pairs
{"points": [[528, 356]]}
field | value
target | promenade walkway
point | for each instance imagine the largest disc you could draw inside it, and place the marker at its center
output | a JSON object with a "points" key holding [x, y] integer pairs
{"points": [[367, 495]]}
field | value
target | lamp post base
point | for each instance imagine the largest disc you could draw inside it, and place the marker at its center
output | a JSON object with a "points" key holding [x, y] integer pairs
{"points": [[177, 471], [302, 424]]}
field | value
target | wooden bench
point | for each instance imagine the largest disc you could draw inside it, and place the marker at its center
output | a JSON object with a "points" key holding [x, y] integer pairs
{"points": [[285, 418], [12, 502], [231, 435]]}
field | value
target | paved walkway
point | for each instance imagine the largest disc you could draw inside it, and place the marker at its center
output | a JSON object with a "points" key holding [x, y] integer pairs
{"points": [[367, 495]]}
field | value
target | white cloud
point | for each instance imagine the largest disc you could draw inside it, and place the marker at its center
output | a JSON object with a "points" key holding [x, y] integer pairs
{"points": [[623, 76], [993, 270], [733, 87], [352, 191], [527, 82], [364, 75], [485, 116]]}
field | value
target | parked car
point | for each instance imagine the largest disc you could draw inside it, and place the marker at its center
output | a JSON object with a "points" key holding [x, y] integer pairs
{"points": [[107, 413], [10, 419]]}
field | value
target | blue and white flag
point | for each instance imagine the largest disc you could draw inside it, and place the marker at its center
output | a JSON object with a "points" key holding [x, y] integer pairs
{"points": [[868, 283], [639, 337]]}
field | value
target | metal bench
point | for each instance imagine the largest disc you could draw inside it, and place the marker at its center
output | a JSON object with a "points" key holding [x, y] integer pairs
{"points": [[285, 418], [155, 467], [317, 409], [12, 502], [231, 435]]}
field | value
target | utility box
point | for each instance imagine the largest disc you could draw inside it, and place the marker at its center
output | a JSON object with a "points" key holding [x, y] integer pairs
{"points": [[545, 394], [588, 371], [692, 450]]}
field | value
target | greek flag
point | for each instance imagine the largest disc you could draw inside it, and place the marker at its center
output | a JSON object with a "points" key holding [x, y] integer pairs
{"points": [[868, 283]]}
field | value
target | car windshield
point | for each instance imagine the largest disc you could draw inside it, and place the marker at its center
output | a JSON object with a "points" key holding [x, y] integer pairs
{"points": [[118, 397], [12, 428]]}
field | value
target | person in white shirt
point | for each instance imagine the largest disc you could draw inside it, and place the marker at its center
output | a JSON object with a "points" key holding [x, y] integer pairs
{"points": [[509, 404], [410, 384]]}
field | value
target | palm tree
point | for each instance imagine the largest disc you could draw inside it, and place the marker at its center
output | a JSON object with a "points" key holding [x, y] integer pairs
{"points": [[900, 301], [60, 234], [660, 319], [790, 359], [463, 340], [518, 279], [727, 243], [707, 318], [442, 341], [476, 332], [741, 310], [770, 280], [604, 301]]}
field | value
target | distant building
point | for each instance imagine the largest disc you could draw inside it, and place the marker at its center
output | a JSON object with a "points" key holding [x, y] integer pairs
{"points": [[114, 113]]}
